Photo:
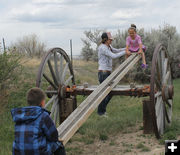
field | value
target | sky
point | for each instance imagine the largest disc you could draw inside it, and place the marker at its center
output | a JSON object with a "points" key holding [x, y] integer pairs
{"points": [[57, 21]]}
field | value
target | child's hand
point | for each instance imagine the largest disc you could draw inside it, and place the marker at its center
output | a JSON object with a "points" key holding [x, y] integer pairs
{"points": [[128, 53], [140, 51]]}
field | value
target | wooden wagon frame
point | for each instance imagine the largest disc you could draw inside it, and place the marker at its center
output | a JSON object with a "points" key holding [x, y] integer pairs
{"points": [[56, 78]]}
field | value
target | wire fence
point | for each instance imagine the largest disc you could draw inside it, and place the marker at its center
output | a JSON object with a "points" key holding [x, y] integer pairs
{"points": [[77, 57]]}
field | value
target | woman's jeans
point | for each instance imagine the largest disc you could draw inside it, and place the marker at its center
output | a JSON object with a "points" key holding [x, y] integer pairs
{"points": [[102, 106]]}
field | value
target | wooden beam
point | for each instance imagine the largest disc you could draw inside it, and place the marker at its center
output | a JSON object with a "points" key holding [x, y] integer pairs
{"points": [[67, 129], [126, 90]]}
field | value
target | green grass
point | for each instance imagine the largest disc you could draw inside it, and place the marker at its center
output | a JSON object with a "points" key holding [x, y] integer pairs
{"points": [[103, 136], [142, 147], [123, 112], [74, 150]]}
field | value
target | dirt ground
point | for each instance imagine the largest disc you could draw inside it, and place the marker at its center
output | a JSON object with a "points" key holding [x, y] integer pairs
{"points": [[133, 142]]}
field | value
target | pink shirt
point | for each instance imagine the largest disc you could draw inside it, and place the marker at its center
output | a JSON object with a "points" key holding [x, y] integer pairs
{"points": [[133, 44]]}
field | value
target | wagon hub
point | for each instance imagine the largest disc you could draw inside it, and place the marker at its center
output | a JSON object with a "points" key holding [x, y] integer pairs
{"points": [[167, 92], [62, 91]]}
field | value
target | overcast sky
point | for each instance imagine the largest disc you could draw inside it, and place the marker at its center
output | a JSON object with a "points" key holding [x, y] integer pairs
{"points": [[57, 21]]}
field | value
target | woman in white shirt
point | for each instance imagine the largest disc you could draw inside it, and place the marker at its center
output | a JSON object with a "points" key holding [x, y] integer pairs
{"points": [[105, 55]]}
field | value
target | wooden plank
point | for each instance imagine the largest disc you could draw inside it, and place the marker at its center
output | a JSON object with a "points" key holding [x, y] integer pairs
{"points": [[79, 116]]}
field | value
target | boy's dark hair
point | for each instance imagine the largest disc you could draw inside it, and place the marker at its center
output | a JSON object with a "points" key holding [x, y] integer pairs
{"points": [[35, 96]]}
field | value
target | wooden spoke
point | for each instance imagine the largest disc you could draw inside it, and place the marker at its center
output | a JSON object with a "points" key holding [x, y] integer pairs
{"points": [[165, 67], [158, 94], [52, 72], [64, 72], [170, 78], [162, 60], [158, 105], [50, 82], [53, 107], [158, 77], [158, 83], [56, 112], [168, 111], [50, 101], [166, 78], [169, 103], [56, 66], [61, 68], [68, 80], [159, 67], [160, 114]]}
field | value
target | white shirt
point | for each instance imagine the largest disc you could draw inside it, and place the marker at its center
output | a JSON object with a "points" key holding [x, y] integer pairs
{"points": [[105, 56]]}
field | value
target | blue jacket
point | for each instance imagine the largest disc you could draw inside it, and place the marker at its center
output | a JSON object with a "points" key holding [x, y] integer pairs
{"points": [[35, 132]]}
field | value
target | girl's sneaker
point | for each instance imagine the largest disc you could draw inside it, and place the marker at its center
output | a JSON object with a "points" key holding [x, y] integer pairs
{"points": [[144, 66]]}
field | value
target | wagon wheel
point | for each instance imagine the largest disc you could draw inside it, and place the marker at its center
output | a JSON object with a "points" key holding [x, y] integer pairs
{"points": [[54, 75], [161, 90]]}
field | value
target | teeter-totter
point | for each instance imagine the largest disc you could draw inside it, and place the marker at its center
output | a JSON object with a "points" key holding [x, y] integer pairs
{"points": [[56, 78]]}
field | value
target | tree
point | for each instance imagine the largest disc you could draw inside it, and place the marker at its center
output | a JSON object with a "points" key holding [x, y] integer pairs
{"points": [[87, 51], [30, 46], [10, 68], [92, 38]]}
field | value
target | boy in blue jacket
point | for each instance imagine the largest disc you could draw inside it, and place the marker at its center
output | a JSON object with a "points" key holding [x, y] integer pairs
{"points": [[35, 132]]}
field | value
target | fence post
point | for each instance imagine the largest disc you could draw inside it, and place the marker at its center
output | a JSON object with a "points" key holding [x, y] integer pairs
{"points": [[71, 52], [4, 45]]}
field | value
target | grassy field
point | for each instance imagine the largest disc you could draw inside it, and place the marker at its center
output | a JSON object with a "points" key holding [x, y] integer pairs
{"points": [[125, 113]]}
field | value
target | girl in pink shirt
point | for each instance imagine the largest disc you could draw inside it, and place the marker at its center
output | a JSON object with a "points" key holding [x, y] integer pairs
{"points": [[134, 44]]}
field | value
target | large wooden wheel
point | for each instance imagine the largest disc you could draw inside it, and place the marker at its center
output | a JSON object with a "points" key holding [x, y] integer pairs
{"points": [[54, 76], [161, 90]]}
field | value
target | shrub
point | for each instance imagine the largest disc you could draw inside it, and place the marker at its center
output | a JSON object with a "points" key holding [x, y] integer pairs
{"points": [[10, 68], [29, 45]]}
